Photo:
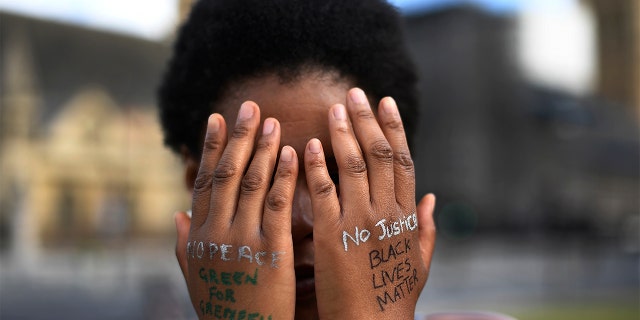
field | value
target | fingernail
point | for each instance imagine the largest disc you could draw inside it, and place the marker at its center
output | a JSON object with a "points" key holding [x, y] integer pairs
{"points": [[357, 96], [246, 111], [314, 146], [287, 154], [269, 125], [339, 112], [213, 123], [389, 106]]}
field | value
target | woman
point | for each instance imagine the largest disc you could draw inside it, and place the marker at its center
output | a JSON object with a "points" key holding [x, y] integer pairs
{"points": [[303, 185]]}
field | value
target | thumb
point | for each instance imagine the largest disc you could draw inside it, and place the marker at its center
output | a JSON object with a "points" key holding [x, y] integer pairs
{"points": [[427, 228], [183, 225]]}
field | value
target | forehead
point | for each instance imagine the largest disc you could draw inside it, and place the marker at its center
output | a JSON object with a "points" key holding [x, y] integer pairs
{"points": [[300, 105]]}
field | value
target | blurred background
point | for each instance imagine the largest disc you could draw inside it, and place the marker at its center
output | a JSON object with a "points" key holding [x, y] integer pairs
{"points": [[529, 137]]}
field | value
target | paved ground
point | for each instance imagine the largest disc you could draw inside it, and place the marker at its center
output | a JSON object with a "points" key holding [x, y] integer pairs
{"points": [[498, 274], [505, 274]]}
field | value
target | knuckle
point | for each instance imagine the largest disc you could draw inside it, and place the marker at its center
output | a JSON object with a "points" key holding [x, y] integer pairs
{"points": [[323, 188], [224, 172], [240, 131], [343, 130], [264, 145], [284, 172], [403, 159], [316, 163], [381, 151], [365, 114], [276, 201], [203, 182], [394, 124], [211, 143], [251, 183], [355, 165]]}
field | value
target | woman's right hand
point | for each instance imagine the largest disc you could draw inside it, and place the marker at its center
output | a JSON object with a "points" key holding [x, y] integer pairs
{"points": [[236, 251]]}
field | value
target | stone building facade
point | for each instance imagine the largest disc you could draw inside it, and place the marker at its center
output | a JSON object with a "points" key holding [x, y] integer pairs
{"points": [[82, 159]]}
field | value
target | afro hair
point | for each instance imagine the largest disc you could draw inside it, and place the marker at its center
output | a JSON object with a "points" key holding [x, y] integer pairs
{"points": [[225, 41]]}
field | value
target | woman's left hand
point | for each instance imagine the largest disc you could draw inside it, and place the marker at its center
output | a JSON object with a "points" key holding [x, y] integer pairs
{"points": [[373, 247]]}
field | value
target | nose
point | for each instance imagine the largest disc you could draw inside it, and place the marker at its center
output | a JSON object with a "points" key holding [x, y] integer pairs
{"points": [[302, 216]]}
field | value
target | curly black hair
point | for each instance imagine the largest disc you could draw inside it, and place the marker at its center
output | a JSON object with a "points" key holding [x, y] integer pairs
{"points": [[225, 41]]}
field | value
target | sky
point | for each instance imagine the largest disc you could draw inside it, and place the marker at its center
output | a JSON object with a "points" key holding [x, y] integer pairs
{"points": [[555, 37], [153, 19]]}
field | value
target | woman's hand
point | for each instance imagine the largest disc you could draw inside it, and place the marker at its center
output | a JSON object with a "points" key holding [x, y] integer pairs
{"points": [[236, 251], [372, 248]]}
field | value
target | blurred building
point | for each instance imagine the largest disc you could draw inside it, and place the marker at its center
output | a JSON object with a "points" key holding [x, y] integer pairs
{"points": [[82, 160], [184, 8], [82, 166], [507, 155], [619, 50]]}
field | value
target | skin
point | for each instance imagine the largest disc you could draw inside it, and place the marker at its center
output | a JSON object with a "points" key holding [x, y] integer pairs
{"points": [[323, 129]]}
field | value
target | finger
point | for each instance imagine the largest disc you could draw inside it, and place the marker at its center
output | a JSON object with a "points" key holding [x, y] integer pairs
{"points": [[404, 174], [276, 222], [183, 224], [214, 143], [352, 169], [426, 228], [322, 191], [376, 149], [255, 182], [230, 169]]}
